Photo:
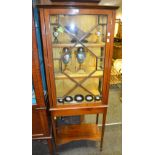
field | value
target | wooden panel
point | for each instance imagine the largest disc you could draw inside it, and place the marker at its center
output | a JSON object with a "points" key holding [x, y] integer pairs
{"points": [[40, 126], [36, 124], [69, 110], [90, 5], [91, 1], [70, 133], [73, 11], [94, 104]]}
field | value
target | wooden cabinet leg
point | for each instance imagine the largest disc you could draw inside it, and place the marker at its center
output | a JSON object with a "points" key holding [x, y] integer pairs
{"points": [[81, 119], [103, 127], [57, 150], [50, 146], [97, 118]]}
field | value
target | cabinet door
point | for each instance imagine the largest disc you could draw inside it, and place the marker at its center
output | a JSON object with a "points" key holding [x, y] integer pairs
{"points": [[37, 87], [79, 55], [39, 118]]}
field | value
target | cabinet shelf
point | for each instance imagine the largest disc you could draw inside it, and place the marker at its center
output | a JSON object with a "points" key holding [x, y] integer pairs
{"points": [[61, 45], [70, 133], [97, 74]]}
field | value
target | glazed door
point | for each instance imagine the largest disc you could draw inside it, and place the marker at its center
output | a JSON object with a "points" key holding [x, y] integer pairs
{"points": [[79, 55]]}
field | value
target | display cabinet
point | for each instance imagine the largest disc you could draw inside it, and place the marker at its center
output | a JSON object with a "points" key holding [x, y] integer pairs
{"points": [[78, 45], [40, 126]]}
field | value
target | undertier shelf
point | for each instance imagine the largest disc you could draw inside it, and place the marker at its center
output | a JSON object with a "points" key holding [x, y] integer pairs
{"points": [[70, 133]]}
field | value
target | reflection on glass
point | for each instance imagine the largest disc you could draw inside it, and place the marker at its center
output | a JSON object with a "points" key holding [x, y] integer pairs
{"points": [[33, 96]]}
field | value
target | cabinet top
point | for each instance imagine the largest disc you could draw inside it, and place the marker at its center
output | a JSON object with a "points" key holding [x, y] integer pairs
{"points": [[50, 4]]}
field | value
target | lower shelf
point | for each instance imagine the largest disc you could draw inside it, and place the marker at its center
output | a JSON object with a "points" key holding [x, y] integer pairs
{"points": [[70, 133]]}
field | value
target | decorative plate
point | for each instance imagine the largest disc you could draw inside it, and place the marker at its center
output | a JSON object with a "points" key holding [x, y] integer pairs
{"points": [[97, 98], [79, 98], [89, 98], [60, 100], [68, 99]]}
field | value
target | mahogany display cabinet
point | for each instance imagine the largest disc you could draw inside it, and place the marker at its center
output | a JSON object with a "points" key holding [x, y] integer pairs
{"points": [[77, 45], [40, 125]]}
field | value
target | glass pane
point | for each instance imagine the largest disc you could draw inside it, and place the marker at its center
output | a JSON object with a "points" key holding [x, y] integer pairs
{"points": [[33, 96], [78, 55]]}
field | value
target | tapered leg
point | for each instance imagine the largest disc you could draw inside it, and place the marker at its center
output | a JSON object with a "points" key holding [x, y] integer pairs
{"points": [[50, 146], [81, 119], [103, 127], [57, 150], [54, 132], [97, 118]]}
